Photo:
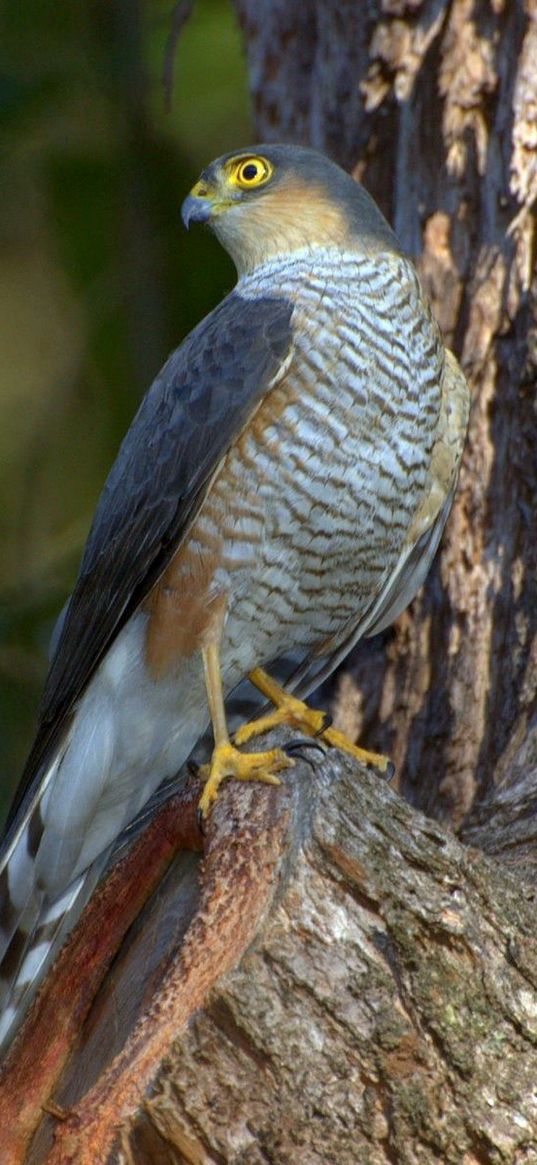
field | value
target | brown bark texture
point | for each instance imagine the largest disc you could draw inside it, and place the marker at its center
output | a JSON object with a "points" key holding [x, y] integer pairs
{"points": [[339, 981], [340, 978]]}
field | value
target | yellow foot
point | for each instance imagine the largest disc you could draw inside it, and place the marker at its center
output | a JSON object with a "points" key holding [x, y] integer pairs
{"points": [[339, 740], [288, 711], [294, 712], [227, 761]]}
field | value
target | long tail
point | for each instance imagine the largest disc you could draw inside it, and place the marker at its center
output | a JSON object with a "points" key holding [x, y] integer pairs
{"points": [[41, 930], [32, 925]]}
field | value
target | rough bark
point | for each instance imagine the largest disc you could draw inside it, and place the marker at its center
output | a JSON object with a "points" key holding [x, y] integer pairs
{"points": [[341, 979]]}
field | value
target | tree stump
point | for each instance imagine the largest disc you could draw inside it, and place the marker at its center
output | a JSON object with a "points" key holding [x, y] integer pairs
{"points": [[337, 980]]}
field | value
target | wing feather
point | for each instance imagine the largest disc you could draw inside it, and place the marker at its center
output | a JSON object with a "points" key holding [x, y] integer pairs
{"points": [[188, 420]]}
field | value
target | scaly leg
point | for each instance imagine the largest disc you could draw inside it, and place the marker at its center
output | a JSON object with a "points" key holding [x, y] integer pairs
{"points": [[288, 710], [226, 760], [291, 711]]}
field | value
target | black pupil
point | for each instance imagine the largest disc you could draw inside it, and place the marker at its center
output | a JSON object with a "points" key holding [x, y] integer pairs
{"points": [[250, 172]]}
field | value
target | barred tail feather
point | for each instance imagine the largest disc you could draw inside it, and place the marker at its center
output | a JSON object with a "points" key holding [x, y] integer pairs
{"points": [[41, 931], [28, 923], [18, 891]]}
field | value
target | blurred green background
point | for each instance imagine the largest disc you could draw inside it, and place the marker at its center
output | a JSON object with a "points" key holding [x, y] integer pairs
{"points": [[98, 280]]}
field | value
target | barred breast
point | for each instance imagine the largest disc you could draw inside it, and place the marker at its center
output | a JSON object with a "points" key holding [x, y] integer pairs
{"points": [[305, 520]]}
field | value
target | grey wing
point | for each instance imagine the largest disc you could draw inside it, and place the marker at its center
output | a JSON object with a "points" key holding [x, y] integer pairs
{"points": [[195, 408]]}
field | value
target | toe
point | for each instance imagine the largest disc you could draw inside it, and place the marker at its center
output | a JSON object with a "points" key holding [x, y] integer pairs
{"points": [[227, 761]]}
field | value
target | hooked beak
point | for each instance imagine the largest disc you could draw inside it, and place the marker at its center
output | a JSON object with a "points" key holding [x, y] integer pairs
{"points": [[196, 208]]}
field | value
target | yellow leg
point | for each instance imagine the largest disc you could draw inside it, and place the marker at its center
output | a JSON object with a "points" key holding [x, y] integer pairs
{"points": [[226, 760], [291, 711], [288, 710]]}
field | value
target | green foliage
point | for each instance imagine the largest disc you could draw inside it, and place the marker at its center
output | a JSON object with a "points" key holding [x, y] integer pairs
{"points": [[98, 281]]}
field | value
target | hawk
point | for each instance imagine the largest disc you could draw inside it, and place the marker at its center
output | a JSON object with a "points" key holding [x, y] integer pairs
{"points": [[283, 486]]}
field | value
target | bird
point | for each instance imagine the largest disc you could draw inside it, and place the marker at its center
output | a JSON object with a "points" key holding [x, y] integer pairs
{"points": [[282, 488]]}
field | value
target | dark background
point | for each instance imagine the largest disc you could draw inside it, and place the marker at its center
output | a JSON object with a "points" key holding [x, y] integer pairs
{"points": [[98, 280]]}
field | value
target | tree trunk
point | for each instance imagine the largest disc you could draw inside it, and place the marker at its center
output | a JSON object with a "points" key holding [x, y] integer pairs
{"points": [[341, 979]]}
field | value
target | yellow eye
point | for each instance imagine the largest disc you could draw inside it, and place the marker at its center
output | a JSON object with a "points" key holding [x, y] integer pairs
{"points": [[251, 172]]}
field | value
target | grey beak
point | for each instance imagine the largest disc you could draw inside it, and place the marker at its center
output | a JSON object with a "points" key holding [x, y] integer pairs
{"points": [[195, 209]]}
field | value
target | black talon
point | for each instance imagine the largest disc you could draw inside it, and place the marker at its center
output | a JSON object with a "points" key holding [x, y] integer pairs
{"points": [[390, 772], [302, 745], [305, 742], [327, 723]]}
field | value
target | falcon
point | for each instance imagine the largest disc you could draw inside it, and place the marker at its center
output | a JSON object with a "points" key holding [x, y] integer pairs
{"points": [[283, 487]]}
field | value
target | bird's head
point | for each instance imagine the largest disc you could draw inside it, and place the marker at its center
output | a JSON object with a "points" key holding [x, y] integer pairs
{"points": [[271, 199]]}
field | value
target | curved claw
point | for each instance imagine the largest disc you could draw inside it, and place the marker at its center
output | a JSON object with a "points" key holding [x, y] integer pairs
{"points": [[390, 772], [327, 722], [301, 746]]}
